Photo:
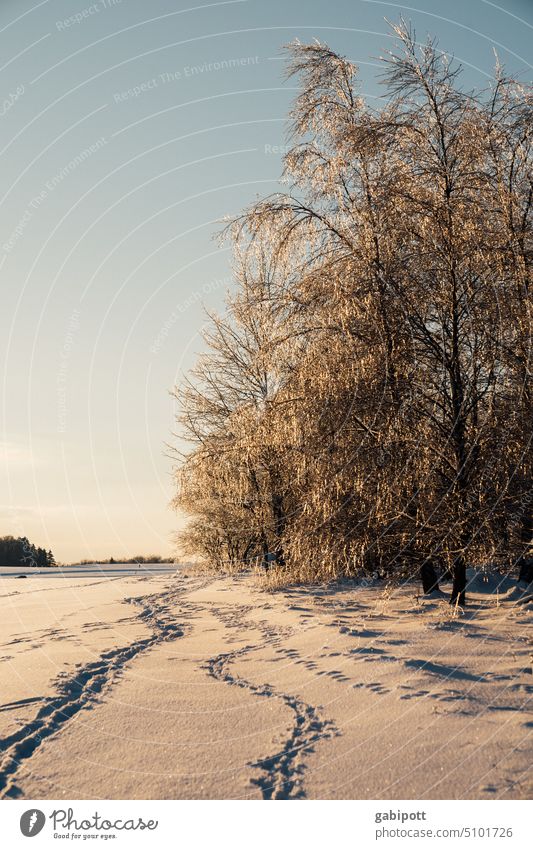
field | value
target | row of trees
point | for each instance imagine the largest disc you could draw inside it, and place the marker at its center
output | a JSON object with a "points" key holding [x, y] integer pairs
{"points": [[141, 558], [19, 551], [366, 402]]}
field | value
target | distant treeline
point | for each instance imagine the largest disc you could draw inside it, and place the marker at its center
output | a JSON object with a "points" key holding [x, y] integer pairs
{"points": [[19, 551], [148, 558]]}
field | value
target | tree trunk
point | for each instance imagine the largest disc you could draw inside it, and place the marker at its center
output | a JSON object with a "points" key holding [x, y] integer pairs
{"points": [[526, 531], [430, 581], [459, 582], [279, 522], [525, 565], [248, 549], [264, 545]]}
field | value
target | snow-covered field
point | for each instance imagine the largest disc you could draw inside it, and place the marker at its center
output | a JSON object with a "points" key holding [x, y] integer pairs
{"points": [[179, 686], [90, 570]]}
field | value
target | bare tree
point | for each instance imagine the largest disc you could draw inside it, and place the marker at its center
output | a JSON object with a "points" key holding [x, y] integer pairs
{"points": [[367, 403]]}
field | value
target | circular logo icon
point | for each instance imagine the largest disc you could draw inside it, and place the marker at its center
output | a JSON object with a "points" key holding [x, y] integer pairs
{"points": [[32, 822]]}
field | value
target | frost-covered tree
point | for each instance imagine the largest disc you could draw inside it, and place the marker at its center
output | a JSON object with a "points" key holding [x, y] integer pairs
{"points": [[367, 402]]}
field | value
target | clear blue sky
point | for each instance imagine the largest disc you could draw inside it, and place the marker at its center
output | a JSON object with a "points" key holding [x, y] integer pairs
{"points": [[126, 133]]}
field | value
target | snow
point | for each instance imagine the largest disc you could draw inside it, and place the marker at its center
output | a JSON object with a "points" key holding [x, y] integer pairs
{"points": [[171, 686], [91, 570]]}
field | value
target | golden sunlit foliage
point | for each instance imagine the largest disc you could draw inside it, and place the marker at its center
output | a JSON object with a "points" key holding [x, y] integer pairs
{"points": [[366, 402]]}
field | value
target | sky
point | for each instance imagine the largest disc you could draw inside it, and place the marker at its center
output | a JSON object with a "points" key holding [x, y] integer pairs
{"points": [[128, 130]]}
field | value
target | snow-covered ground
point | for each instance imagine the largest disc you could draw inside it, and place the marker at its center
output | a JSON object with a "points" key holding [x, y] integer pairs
{"points": [[184, 686], [90, 570]]}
